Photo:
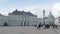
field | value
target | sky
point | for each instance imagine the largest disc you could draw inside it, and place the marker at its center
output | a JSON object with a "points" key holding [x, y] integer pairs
{"points": [[34, 6]]}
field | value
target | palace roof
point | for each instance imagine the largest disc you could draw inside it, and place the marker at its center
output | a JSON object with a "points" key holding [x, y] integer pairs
{"points": [[16, 12]]}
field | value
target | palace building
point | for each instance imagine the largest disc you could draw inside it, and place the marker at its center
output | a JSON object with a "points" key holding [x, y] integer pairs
{"points": [[20, 18]]}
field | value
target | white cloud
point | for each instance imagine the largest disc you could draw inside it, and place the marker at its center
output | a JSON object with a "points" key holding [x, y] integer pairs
{"points": [[35, 9], [56, 9]]}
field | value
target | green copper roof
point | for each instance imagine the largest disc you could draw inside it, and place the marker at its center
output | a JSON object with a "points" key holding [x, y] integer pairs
{"points": [[50, 15]]}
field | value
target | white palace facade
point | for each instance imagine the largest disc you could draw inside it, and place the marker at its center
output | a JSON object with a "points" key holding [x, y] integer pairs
{"points": [[17, 18], [22, 18]]}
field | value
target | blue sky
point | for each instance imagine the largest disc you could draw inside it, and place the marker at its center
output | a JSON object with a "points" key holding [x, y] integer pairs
{"points": [[34, 6], [20, 3]]}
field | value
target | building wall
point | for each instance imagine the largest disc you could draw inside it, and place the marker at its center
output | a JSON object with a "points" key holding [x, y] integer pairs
{"points": [[3, 19], [51, 20], [46, 21], [57, 21], [17, 20]]}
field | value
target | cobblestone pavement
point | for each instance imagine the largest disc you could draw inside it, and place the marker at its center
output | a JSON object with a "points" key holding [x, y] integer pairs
{"points": [[28, 30]]}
